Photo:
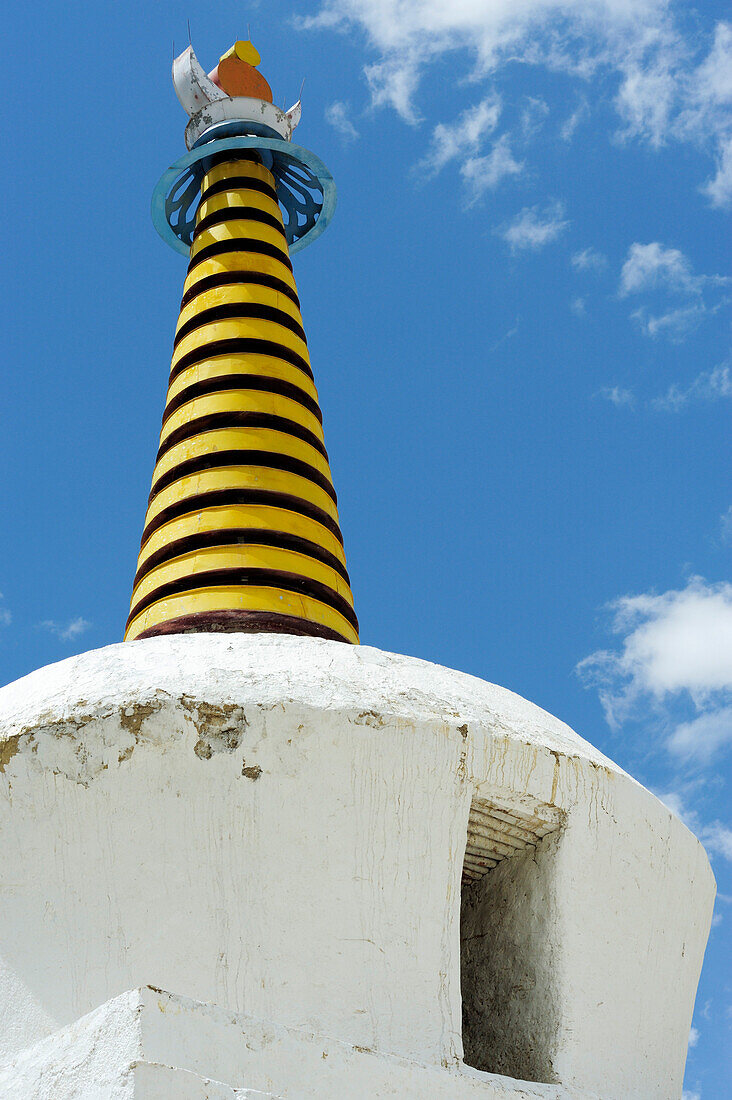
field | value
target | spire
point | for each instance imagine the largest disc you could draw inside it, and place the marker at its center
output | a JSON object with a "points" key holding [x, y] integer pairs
{"points": [[241, 531]]}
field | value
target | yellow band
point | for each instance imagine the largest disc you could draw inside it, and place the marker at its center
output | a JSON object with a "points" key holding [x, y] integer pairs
{"points": [[260, 478], [240, 439], [239, 261], [246, 401], [239, 294], [223, 366], [239, 197], [273, 600], [240, 228], [244, 328], [242, 517], [226, 169], [241, 557]]}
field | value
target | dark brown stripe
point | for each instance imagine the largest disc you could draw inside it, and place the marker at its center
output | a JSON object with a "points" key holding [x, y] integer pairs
{"points": [[226, 278], [256, 578], [214, 460], [239, 536], [238, 214], [236, 310], [241, 244], [234, 419], [224, 383], [239, 183], [224, 497], [243, 622], [240, 345]]}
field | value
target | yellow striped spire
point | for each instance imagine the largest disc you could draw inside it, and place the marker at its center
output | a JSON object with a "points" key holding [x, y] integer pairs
{"points": [[241, 531]]}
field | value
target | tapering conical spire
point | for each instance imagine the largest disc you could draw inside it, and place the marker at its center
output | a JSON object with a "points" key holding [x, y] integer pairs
{"points": [[241, 531]]}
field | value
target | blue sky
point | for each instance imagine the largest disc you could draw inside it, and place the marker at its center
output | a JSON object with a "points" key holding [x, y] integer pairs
{"points": [[519, 324]]}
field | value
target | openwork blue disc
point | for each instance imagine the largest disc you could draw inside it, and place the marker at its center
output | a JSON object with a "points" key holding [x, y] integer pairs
{"points": [[306, 190]]}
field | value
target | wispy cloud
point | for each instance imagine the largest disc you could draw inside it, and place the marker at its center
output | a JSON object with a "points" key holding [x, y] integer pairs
{"points": [[674, 646], [668, 88], [725, 526], [5, 616], [66, 631], [589, 259], [618, 396], [651, 266], [462, 137], [533, 228], [666, 273], [509, 335], [338, 114], [719, 187], [482, 174], [710, 385], [718, 838], [578, 116], [703, 737]]}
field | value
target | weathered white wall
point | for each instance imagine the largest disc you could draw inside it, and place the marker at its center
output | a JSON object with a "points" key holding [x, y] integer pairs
{"points": [[277, 825], [151, 1045]]}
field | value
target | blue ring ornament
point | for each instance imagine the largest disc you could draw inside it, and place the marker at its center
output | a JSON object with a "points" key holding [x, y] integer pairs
{"points": [[305, 188]]}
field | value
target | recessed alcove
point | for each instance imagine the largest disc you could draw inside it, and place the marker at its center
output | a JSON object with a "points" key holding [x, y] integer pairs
{"points": [[509, 940]]}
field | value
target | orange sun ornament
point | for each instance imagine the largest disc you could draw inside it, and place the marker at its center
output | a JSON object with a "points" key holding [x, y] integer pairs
{"points": [[236, 73]]}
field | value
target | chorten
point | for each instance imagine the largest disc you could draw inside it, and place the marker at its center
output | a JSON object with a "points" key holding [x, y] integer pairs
{"points": [[245, 856]]}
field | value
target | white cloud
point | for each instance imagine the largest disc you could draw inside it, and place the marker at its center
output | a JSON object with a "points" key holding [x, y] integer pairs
{"points": [[617, 396], [708, 386], [651, 266], [580, 114], [533, 228], [686, 1095], [675, 646], [464, 136], [674, 324], [710, 99], [693, 1036], [339, 116], [482, 174], [68, 631], [719, 188], [653, 269], [5, 616], [704, 736], [533, 114], [677, 641], [578, 307], [666, 89], [718, 838], [589, 259], [725, 522]]}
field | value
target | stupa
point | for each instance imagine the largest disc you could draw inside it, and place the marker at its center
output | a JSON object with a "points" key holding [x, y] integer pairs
{"points": [[244, 856]]}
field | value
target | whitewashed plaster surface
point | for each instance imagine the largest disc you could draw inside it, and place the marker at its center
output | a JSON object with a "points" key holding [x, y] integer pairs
{"points": [[276, 825], [150, 1045]]}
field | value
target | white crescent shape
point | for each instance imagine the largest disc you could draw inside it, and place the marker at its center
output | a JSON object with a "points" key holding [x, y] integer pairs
{"points": [[192, 86]]}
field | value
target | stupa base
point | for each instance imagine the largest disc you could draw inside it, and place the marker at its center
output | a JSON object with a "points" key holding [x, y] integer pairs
{"points": [[347, 843]]}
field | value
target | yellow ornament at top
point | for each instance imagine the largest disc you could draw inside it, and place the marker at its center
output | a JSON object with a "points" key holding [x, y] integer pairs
{"points": [[246, 51]]}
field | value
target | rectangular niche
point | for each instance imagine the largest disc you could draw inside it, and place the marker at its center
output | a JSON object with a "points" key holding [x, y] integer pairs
{"points": [[509, 940]]}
